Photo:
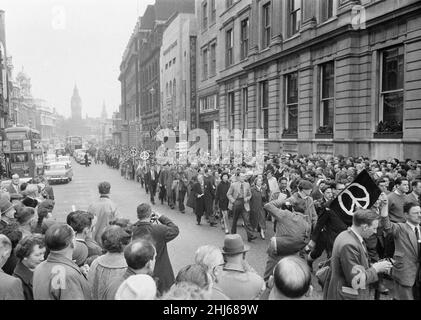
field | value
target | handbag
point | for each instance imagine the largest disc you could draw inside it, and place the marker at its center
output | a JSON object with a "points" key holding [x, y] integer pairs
{"points": [[323, 273]]}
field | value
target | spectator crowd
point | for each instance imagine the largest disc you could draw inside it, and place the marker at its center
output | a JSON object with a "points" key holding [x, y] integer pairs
{"points": [[97, 254]]}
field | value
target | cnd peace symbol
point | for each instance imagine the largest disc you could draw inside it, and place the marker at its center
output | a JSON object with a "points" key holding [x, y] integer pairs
{"points": [[357, 201]]}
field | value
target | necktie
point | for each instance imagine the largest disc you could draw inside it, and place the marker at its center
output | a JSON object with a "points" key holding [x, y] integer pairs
{"points": [[242, 191], [153, 175]]}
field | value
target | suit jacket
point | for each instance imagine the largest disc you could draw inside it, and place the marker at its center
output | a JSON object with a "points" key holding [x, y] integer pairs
{"points": [[11, 287], [347, 253], [406, 252], [159, 234], [234, 192], [148, 178], [412, 198], [163, 176], [25, 275], [11, 189]]}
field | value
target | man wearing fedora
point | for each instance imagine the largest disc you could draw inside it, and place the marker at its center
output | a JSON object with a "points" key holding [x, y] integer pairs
{"points": [[7, 213], [237, 280]]}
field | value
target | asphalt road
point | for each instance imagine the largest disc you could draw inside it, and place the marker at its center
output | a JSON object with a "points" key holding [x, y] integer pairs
{"points": [[127, 195]]}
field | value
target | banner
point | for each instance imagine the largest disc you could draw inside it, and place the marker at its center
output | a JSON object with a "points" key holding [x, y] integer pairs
{"points": [[361, 193]]}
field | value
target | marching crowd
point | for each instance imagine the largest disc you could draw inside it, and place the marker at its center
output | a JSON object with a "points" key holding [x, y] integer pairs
{"points": [[98, 255]]}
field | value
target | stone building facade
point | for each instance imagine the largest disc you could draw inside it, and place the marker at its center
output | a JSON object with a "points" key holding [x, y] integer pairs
{"points": [[209, 63], [330, 76], [175, 63]]}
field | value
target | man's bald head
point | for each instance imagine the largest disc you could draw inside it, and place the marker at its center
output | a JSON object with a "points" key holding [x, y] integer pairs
{"points": [[292, 277], [138, 253]]}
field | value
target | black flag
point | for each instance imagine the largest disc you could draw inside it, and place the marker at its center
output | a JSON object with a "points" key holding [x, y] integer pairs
{"points": [[362, 192]]}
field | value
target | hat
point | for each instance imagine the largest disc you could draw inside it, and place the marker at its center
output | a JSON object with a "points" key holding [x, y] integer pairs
{"points": [[233, 244], [305, 185], [137, 287], [46, 206], [5, 206]]}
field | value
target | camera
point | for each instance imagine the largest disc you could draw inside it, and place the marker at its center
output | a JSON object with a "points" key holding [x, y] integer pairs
{"points": [[287, 206], [154, 218]]}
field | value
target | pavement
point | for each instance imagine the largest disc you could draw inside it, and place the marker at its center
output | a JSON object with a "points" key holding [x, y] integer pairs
{"points": [[128, 194]]}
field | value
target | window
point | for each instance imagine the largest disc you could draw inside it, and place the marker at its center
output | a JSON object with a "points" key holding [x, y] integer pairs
{"points": [[229, 47], [244, 38], [291, 118], [244, 102], [266, 25], [19, 157], [173, 61], [231, 110], [229, 3], [294, 17], [170, 88], [391, 95], [212, 11], [327, 10], [169, 64], [204, 15], [205, 64], [327, 95], [264, 108], [166, 90], [212, 70], [208, 103]]}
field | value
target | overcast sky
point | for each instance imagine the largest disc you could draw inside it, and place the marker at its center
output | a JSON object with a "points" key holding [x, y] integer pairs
{"points": [[60, 43]]}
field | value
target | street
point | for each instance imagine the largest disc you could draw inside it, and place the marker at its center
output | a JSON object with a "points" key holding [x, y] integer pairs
{"points": [[128, 194]]}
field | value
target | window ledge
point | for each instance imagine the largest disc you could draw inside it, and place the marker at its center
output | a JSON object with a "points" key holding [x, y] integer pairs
{"points": [[265, 49], [294, 36], [290, 136], [323, 135], [327, 21], [388, 135]]}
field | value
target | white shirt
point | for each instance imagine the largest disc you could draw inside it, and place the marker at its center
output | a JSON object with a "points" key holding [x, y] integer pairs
{"points": [[358, 236]]}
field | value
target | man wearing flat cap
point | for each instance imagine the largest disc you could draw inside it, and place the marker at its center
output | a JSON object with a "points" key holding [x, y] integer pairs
{"points": [[238, 281], [7, 213]]}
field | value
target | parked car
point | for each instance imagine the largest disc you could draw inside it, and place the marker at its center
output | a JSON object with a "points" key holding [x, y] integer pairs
{"points": [[65, 159], [58, 172], [49, 158]]}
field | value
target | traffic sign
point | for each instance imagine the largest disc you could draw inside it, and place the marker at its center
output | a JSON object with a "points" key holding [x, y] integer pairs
{"points": [[144, 155], [133, 151]]}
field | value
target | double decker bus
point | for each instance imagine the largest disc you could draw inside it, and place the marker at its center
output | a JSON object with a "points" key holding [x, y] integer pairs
{"points": [[73, 143], [23, 151]]}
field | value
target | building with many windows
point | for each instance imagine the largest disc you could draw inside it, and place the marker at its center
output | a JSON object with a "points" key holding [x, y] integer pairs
{"points": [[140, 74], [234, 93], [176, 62], [209, 62], [325, 76], [4, 76]]}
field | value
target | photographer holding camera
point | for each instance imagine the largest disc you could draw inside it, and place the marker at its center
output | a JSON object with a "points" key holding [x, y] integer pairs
{"points": [[160, 230]]}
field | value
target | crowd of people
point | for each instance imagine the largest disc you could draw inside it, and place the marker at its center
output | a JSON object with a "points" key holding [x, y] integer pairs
{"points": [[97, 254]]}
